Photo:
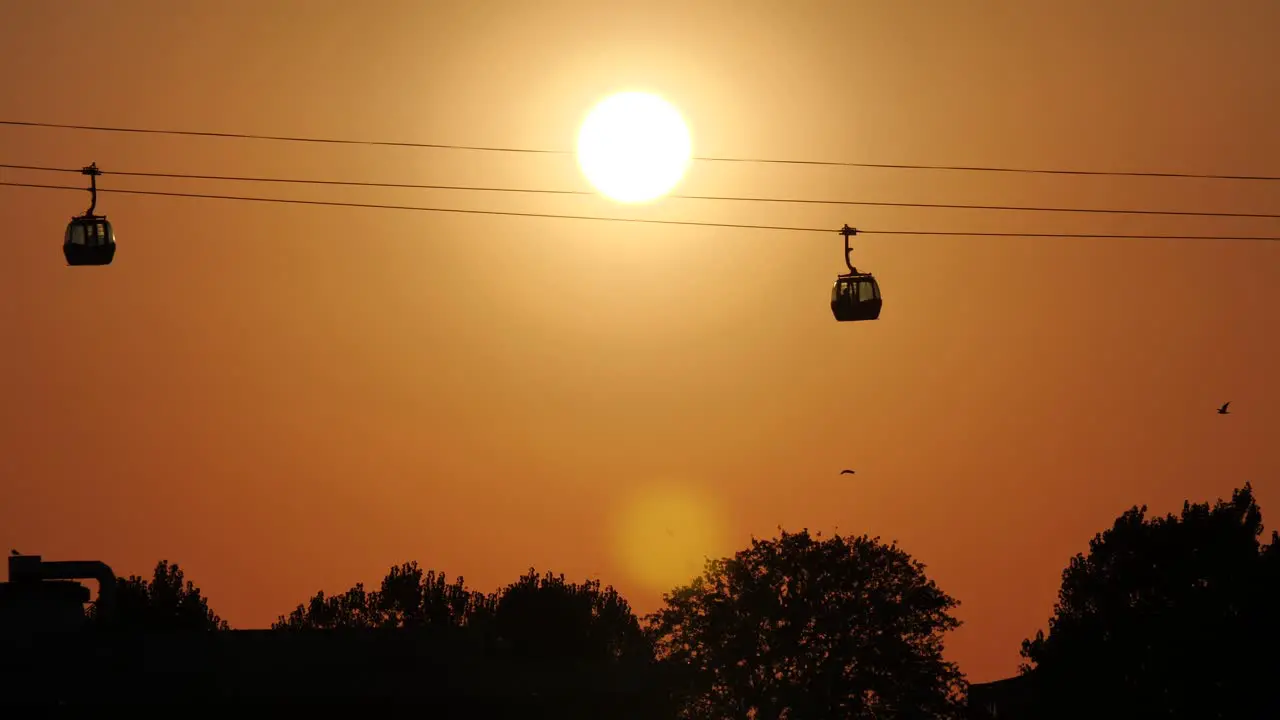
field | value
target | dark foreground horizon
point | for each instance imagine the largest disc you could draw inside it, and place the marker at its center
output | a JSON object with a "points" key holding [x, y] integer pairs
{"points": [[1162, 618]]}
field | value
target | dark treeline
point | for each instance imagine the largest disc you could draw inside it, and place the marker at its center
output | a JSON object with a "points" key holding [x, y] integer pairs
{"points": [[1170, 617]]}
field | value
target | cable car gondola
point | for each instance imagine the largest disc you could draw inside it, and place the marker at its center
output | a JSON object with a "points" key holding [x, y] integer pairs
{"points": [[855, 295], [89, 239]]}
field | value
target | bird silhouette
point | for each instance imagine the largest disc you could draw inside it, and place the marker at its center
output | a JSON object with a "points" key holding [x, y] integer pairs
{"points": [[847, 472], [1223, 410]]}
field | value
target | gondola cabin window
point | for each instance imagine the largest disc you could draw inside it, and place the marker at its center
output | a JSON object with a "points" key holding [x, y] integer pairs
{"points": [[867, 291]]}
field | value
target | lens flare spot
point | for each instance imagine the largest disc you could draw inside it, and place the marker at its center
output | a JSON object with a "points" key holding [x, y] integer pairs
{"points": [[663, 533]]}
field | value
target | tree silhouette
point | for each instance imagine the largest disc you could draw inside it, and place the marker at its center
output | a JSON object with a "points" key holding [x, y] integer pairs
{"points": [[1165, 617], [351, 609], [801, 628], [410, 598], [166, 603], [539, 637], [547, 617]]}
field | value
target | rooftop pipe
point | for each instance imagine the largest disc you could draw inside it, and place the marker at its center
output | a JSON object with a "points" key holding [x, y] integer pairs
{"points": [[30, 568]]}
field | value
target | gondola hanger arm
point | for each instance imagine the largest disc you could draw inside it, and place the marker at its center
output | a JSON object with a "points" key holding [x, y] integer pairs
{"points": [[93, 172], [848, 232]]}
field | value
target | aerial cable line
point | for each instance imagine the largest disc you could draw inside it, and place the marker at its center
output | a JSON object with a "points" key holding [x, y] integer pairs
{"points": [[742, 226], [533, 151], [479, 188]]}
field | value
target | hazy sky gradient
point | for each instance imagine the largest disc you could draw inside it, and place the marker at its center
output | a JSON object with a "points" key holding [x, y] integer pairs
{"points": [[284, 399]]}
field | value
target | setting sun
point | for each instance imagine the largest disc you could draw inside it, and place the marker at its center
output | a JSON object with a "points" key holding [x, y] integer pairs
{"points": [[634, 147]]}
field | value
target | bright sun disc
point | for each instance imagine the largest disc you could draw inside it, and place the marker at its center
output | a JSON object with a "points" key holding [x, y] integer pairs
{"points": [[634, 147]]}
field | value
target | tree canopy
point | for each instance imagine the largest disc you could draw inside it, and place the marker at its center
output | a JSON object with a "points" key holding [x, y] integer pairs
{"points": [[168, 602], [409, 598], [545, 616], [538, 616], [1165, 617], [803, 627]]}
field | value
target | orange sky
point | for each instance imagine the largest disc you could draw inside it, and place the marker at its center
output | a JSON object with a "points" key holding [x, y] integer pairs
{"points": [[284, 399]]}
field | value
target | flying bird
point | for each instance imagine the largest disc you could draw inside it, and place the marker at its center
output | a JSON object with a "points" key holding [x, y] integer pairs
{"points": [[1223, 410], [847, 472]]}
